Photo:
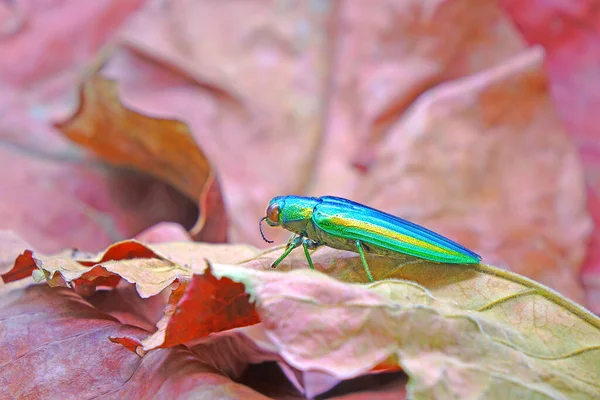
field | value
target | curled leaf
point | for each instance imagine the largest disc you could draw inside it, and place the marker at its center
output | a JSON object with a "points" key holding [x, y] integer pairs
{"points": [[151, 268], [160, 147]]}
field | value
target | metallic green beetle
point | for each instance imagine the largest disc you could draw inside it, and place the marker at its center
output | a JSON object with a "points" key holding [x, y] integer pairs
{"points": [[346, 225]]}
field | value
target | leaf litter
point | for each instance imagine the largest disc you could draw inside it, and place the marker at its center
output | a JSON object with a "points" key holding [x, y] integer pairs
{"points": [[455, 330]]}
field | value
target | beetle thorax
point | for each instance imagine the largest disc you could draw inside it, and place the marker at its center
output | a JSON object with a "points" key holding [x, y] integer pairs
{"points": [[297, 214]]}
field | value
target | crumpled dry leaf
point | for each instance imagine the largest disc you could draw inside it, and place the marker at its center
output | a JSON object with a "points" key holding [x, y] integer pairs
{"points": [[160, 147], [456, 331], [152, 268]]}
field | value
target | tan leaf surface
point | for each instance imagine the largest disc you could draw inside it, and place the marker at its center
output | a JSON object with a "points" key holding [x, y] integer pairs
{"points": [[151, 268], [457, 331]]}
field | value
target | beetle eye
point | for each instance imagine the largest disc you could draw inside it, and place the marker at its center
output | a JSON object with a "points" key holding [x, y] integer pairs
{"points": [[273, 214]]}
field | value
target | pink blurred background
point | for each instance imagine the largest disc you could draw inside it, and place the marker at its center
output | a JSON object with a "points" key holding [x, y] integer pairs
{"points": [[476, 118]]}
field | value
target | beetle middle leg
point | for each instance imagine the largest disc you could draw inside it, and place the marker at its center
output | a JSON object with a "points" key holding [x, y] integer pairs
{"points": [[364, 260], [309, 244]]}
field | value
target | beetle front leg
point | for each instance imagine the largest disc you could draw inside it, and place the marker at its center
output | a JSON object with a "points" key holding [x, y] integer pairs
{"points": [[292, 244]]}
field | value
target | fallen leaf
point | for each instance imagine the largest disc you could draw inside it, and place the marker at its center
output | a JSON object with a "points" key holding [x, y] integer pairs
{"points": [[457, 331], [444, 325], [152, 268], [54, 344], [160, 147], [188, 315], [501, 179]]}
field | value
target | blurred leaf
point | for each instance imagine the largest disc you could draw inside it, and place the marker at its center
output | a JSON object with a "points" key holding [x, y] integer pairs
{"points": [[160, 147], [164, 232], [254, 97], [52, 194], [573, 75]]}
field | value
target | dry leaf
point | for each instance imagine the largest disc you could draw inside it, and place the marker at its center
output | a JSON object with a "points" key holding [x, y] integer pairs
{"points": [[253, 96], [456, 331], [160, 147], [54, 344]]}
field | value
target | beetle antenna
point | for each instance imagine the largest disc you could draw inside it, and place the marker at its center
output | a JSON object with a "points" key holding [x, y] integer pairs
{"points": [[261, 231]]}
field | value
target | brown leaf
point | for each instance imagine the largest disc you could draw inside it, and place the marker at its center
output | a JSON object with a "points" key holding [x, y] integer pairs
{"points": [[160, 147], [151, 268], [92, 271]]}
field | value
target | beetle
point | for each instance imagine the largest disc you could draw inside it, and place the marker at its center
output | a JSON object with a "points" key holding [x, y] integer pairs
{"points": [[346, 225]]}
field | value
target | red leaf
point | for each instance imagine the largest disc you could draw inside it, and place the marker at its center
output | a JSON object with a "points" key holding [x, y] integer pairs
{"points": [[207, 305], [54, 344]]}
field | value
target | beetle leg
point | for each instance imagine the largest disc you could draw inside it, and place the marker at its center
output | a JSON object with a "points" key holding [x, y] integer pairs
{"points": [[364, 260], [292, 244], [309, 244]]}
